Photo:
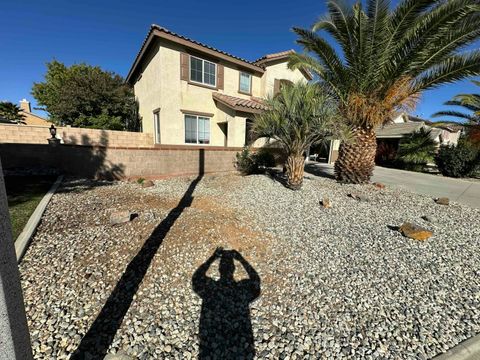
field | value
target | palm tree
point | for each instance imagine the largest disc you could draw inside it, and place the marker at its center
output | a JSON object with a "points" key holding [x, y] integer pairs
{"points": [[470, 102], [388, 58], [417, 150], [298, 116], [11, 112]]}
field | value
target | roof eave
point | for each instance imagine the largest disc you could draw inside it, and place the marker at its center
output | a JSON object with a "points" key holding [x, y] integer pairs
{"points": [[158, 32]]}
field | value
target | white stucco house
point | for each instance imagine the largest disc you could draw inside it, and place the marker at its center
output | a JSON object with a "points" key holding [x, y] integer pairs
{"points": [[190, 93]]}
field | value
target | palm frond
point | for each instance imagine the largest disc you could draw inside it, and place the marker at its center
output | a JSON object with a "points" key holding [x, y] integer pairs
{"points": [[454, 68]]}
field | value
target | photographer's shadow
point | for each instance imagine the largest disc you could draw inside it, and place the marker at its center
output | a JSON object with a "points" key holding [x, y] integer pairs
{"points": [[225, 329]]}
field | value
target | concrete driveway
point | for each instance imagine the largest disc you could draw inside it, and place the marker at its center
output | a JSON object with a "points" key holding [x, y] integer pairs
{"points": [[458, 190]]}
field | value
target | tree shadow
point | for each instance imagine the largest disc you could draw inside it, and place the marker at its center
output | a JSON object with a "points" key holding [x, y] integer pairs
{"points": [[225, 330], [84, 158], [99, 337], [316, 170]]}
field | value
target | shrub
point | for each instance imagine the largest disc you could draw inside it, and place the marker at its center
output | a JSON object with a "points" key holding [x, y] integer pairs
{"points": [[264, 158], [249, 162], [416, 150], [458, 161]]}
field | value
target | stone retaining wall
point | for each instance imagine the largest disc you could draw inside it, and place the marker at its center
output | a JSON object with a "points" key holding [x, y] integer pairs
{"points": [[120, 162]]}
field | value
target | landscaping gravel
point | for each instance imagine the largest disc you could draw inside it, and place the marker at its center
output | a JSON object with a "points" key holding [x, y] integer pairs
{"points": [[335, 282]]}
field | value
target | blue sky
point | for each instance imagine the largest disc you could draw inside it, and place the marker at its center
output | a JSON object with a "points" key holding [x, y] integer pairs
{"points": [[109, 33]]}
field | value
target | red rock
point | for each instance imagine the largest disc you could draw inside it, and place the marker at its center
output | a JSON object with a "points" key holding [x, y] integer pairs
{"points": [[415, 232]]}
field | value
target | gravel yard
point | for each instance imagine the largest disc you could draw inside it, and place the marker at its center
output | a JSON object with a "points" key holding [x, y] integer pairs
{"points": [[334, 283]]}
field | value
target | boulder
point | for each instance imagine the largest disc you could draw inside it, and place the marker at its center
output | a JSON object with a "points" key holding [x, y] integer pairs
{"points": [[379, 185], [147, 183], [326, 203], [442, 201], [415, 232], [120, 217]]}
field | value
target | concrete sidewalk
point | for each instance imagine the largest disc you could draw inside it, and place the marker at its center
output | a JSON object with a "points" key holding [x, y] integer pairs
{"points": [[458, 190]]}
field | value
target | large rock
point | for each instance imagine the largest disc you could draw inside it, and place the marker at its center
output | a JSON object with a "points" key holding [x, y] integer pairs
{"points": [[379, 185], [415, 232], [120, 217], [326, 203], [147, 183], [442, 201]]}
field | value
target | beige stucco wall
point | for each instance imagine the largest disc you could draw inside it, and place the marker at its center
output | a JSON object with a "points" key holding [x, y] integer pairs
{"points": [[160, 87], [278, 70]]}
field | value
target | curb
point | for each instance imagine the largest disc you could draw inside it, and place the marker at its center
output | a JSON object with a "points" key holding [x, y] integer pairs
{"points": [[23, 240], [466, 350]]}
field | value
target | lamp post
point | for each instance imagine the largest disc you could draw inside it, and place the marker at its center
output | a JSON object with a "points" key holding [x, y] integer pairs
{"points": [[53, 140], [14, 336]]}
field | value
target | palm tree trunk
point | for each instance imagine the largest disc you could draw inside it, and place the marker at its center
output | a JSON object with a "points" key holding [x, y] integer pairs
{"points": [[295, 165], [356, 159]]}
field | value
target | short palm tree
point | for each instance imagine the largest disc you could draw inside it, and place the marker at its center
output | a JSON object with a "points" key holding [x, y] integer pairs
{"points": [[11, 112], [388, 58], [417, 150], [298, 116], [471, 103]]}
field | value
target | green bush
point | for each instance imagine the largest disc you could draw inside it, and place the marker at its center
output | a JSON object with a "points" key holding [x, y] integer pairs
{"points": [[249, 162], [458, 161]]}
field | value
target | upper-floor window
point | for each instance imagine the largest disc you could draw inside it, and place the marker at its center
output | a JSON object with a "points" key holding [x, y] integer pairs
{"points": [[245, 83], [203, 71], [197, 129]]}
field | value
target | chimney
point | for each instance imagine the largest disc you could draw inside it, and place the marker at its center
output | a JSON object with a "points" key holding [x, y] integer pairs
{"points": [[25, 105]]}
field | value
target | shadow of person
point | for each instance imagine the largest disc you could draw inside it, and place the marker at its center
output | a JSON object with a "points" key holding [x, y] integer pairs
{"points": [[225, 330]]}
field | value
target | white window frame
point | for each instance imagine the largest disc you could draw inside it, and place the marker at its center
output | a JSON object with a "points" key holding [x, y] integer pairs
{"points": [[156, 127], [203, 71], [240, 83], [196, 138]]}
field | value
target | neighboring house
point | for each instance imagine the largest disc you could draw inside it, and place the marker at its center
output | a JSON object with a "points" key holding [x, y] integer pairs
{"points": [[191, 93], [31, 118], [390, 135]]}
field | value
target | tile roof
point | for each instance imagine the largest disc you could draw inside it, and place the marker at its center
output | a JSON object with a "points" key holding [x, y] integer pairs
{"points": [[252, 105], [161, 28], [273, 56], [398, 130]]}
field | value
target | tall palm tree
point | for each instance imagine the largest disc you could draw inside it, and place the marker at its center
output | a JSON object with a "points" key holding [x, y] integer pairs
{"points": [[386, 58], [11, 112], [298, 116], [470, 102]]}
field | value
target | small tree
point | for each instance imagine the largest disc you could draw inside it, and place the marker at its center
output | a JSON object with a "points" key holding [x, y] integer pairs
{"points": [[87, 96], [298, 116], [11, 112], [417, 150]]}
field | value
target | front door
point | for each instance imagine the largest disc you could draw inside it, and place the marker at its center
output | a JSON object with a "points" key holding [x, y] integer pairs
{"points": [[156, 125]]}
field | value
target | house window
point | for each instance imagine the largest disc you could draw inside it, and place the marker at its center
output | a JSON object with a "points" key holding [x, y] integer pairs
{"points": [[156, 126], [245, 82], [203, 71], [197, 129]]}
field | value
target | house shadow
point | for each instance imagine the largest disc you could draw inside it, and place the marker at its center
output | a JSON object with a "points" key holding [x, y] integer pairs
{"points": [[99, 337], [225, 329]]}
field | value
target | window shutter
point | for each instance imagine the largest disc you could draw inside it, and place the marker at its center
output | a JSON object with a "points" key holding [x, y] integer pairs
{"points": [[276, 87], [220, 76], [184, 66]]}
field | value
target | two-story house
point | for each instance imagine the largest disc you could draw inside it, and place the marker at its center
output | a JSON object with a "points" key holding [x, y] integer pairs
{"points": [[191, 93]]}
